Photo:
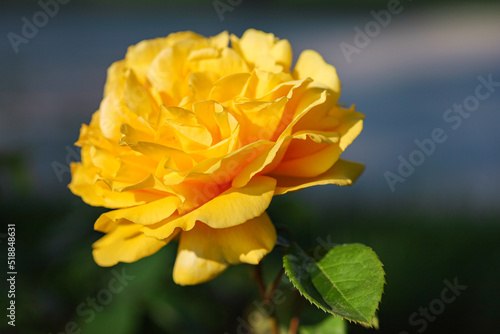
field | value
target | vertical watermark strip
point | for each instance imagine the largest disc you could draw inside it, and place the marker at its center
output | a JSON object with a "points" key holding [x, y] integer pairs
{"points": [[11, 274]]}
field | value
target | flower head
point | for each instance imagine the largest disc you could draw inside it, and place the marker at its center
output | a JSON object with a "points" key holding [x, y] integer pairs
{"points": [[192, 140]]}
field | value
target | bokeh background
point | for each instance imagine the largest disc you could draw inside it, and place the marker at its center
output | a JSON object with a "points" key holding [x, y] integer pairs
{"points": [[441, 223]]}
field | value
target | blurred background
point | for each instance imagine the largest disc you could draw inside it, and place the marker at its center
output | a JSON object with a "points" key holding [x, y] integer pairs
{"points": [[430, 216]]}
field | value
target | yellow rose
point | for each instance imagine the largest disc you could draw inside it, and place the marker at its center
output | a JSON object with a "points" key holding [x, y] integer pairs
{"points": [[193, 139]]}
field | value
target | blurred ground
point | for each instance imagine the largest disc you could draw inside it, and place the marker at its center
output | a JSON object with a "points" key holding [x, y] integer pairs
{"points": [[440, 223]]}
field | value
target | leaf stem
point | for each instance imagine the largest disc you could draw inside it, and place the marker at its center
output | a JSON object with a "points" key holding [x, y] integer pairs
{"points": [[268, 294], [294, 322], [274, 286], [259, 279]]}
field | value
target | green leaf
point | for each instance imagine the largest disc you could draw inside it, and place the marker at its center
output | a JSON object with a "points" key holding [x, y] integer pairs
{"points": [[330, 325], [348, 281]]}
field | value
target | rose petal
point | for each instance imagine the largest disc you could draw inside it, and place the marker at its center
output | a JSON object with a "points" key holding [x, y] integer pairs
{"points": [[350, 126], [310, 165], [84, 184], [146, 214], [125, 243], [342, 173], [263, 50], [231, 208], [311, 64], [205, 252]]}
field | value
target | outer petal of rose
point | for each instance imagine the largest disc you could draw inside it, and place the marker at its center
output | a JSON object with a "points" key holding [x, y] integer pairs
{"points": [[219, 41], [342, 173], [146, 214], [282, 53], [122, 168], [231, 208], [308, 142], [97, 193], [311, 165], [101, 175], [140, 56], [125, 243], [263, 49], [350, 127], [91, 135], [115, 77], [109, 119], [311, 64], [205, 252]]}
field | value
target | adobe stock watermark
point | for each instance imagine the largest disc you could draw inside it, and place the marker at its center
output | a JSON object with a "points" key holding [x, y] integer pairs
{"points": [[372, 29], [453, 117], [29, 29], [222, 6], [264, 309], [61, 169], [420, 320], [93, 305]]}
